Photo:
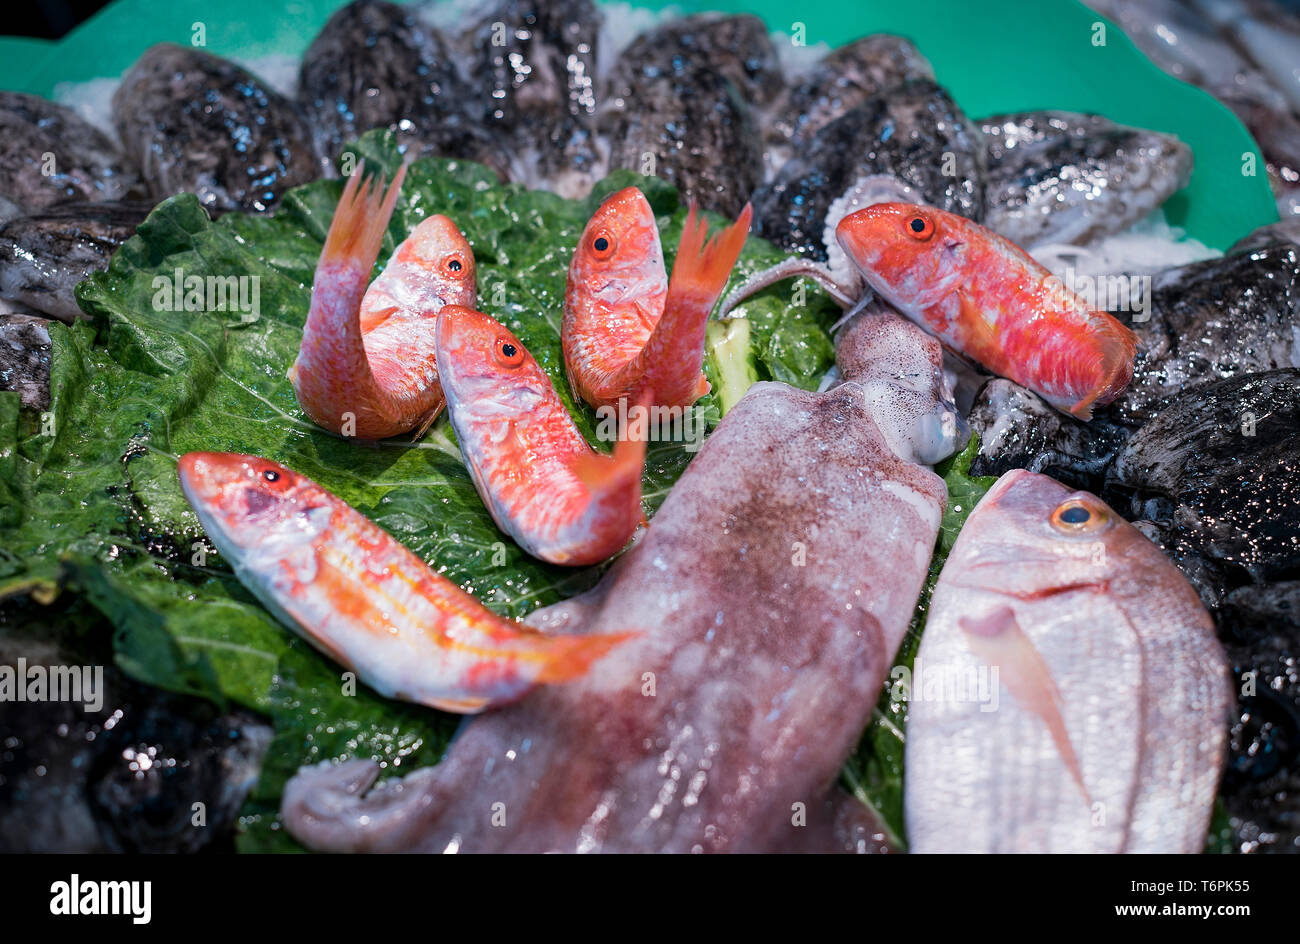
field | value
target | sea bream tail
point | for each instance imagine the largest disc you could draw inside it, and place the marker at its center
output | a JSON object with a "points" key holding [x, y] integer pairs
{"points": [[674, 355]]}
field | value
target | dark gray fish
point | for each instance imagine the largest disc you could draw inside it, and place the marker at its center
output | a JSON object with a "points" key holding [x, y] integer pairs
{"points": [[1062, 177], [739, 48], [1178, 39], [378, 65], [1018, 430], [45, 255], [1265, 34], [123, 777], [913, 132], [25, 358], [844, 79], [1218, 318], [1286, 230], [770, 593], [1219, 469], [1260, 628], [533, 70], [1276, 129], [51, 155], [692, 128], [1217, 476], [197, 123]]}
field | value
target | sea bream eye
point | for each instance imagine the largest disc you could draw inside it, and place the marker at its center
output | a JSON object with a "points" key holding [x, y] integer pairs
{"points": [[1079, 516], [271, 475]]}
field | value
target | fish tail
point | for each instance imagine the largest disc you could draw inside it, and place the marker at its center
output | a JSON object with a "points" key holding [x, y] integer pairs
{"points": [[673, 357], [1118, 347], [331, 375], [572, 656], [703, 263], [621, 469], [357, 230]]}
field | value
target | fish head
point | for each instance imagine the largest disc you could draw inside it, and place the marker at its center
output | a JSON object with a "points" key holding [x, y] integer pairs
{"points": [[441, 255], [913, 255], [620, 248], [1032, 537], [485, 371], [246, 501]]}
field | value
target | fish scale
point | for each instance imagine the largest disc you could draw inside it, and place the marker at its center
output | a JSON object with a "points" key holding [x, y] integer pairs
{"points": [[1109, 676], [362, 598]]}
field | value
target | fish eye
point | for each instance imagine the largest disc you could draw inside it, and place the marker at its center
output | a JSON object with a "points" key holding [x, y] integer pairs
{"points": [[271, 475], [509, 353], [1078, 516], [920, 227], [602, 245], [454, 266]]}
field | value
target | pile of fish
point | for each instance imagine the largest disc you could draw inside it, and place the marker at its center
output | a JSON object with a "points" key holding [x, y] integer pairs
{"points": [[1113, 640]]}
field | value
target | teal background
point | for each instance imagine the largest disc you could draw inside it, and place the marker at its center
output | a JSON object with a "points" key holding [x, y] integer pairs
{"points": [[992, 55]]}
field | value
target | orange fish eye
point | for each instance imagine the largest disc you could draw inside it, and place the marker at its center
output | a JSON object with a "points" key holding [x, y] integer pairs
{"points": [[1079, 516], [454, 266], [920, 227], [509, 352], [603, 244]]}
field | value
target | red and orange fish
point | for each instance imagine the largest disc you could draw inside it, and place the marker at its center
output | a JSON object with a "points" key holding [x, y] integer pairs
{"points": [[544, 485], [628, 329], [987, 299], [362, 598], [366, 367]]}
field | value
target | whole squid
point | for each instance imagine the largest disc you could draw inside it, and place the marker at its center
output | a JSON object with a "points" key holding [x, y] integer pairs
{"points": [[770, 593]]}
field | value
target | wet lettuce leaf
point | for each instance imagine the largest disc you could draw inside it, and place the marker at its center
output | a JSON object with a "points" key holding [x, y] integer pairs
{"points": [[90, 505]]}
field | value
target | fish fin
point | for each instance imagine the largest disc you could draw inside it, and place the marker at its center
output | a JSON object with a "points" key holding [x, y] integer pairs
{"points": [[427, 423], [1119, 348], [981, 336], [572, 656], [703, 265], [456, 706], [998, 640], [362, 216], [372, 318], [601, 472]]}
